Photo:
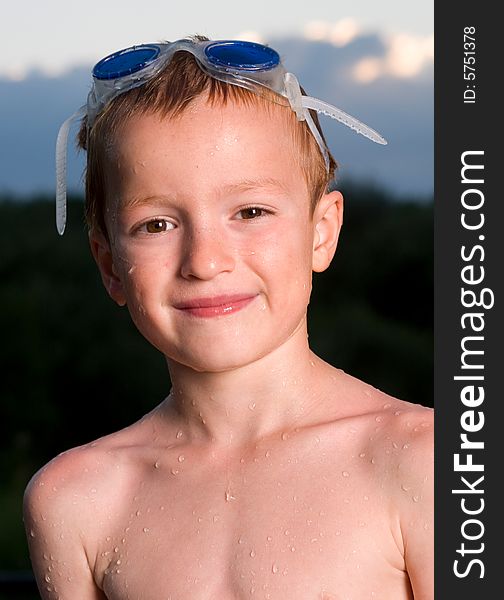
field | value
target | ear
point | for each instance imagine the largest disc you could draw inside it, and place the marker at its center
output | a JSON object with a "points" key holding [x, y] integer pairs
{"points": [[327, 220], [100, 248]]}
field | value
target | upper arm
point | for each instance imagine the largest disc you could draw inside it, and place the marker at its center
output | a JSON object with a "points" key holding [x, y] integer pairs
{"points": [[416, 507], [56, 529]]}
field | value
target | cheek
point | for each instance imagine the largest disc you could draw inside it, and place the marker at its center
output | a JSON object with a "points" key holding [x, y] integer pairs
{"points": [[287, 259]]}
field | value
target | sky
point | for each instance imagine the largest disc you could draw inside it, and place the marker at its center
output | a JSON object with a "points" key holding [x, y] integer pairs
{"points": [[55, 35], [372, 59]]}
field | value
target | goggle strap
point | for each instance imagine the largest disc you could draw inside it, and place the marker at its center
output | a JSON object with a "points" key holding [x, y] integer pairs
{"points": [[294, 95], [318, 138], [336, 113], [61, 169]]}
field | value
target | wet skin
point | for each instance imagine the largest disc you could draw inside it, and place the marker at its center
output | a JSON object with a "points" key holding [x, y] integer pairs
{"points": [[266, 472]]}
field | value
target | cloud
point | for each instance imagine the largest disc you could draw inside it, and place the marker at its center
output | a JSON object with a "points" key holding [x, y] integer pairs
{"points": [[339, 34], [405, 56], [250, 36]]}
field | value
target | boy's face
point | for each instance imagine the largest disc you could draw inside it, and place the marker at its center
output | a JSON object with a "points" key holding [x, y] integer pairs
{"points": [[213, 203]]}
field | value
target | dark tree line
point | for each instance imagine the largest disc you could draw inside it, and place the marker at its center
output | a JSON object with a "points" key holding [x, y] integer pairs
{"points": [[75, 368]]}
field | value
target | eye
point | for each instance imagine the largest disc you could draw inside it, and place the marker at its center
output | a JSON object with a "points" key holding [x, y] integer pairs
{"points": [[252, 212], [155, 226]]}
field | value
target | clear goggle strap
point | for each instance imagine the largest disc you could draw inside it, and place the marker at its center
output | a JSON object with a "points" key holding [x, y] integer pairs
{"points": [[294, 95], [336, 113], [318, 138], [295, 98], [61, 169]]}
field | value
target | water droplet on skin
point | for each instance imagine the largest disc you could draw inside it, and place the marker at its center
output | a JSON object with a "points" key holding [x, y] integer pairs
{"points": [[47, 578], [362, 455], [156, 464], [269, 538], [388, 405], [286, 532], [252, 406], [406, 446], [397, 413], [108, 538], [378, 419], [252, 553], [32, 533], [138, 513], [373, 461], [415, 498], [293, 549], [229, 496], [338, 532], [181, 458], [146, 530], [267, 453], [274, 568], [405, 488], [179, 434], [116, 549], [174, 471], [285, 435], [366, 498], [345, 473]]}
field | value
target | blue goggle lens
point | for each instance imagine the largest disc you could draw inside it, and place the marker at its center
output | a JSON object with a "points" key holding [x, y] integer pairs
{"points": [[125, 62], [242, 56]]}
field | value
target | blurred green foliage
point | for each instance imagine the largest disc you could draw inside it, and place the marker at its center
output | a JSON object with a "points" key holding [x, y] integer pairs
{"points": [[75, 368]]}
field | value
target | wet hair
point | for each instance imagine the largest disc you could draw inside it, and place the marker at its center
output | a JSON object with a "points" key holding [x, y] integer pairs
{"points": [[169, 94]]}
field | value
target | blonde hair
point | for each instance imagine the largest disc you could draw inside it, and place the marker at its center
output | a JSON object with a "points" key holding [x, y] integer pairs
{"points": [[169, 94]]}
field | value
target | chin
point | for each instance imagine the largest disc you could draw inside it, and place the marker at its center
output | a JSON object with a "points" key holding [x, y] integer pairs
{"points": [[217, 362]]}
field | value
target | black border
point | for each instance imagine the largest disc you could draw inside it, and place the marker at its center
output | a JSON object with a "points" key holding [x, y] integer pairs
{"points": [[461, 127]]}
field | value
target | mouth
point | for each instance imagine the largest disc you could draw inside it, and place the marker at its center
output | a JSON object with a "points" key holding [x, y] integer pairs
{"points": [[215, 306]]}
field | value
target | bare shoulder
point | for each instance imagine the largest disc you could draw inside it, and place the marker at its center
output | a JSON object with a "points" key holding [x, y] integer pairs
{"points": [[400, 437], [88, 478], [69, 501]]}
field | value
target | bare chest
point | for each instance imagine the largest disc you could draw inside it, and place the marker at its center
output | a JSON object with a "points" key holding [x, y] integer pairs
{"points": [[298, 525]]}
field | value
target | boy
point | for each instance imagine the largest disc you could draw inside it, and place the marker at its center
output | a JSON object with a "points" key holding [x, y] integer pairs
{"points": [[266, 472]]}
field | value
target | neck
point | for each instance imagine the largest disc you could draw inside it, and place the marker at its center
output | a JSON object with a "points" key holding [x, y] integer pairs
{"points": [[272, 395]]}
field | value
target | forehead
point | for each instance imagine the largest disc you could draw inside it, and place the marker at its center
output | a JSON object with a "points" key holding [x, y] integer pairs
{"points": [[204, 147]]}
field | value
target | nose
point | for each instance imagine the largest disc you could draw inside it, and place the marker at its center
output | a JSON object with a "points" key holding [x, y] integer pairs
{"points": [[207, 253]]}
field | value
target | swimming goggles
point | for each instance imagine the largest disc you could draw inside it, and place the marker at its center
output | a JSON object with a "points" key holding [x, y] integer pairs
{"points": [[253, 66]]}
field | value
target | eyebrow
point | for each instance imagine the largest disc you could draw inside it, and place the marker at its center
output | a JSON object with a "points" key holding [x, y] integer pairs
{"points": [[262, 183], [136, 201], [269, 183]]}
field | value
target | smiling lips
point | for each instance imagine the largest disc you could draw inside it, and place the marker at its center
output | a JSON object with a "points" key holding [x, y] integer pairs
{"points": [[215, 306]]}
